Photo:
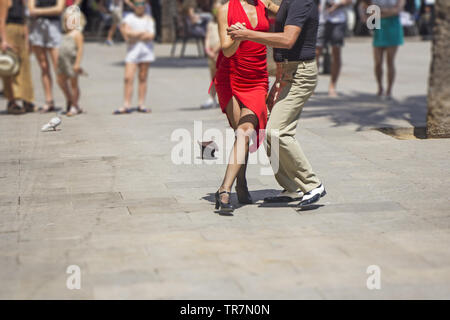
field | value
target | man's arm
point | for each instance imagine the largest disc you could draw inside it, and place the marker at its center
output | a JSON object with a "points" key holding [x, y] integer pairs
{"points": [[283, 40]]}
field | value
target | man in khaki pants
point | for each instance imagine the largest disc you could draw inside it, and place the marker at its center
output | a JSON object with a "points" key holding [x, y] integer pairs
{"points": [[294, 42]]}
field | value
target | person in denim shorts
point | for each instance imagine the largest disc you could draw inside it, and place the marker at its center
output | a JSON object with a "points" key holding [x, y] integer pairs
{"points": [[45, 37], [332, 29]]}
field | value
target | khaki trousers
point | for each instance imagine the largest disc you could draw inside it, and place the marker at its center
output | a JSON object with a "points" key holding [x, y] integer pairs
{"points": [[19, 87], [295, 83]]}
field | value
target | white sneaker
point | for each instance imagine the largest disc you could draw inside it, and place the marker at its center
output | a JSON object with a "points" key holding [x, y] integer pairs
{"points": [[208, 104], [313, 196], [52, 124], [285, 196]]}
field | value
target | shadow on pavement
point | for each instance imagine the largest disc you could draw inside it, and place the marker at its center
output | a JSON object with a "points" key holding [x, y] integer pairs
{"points": [[366, 110], [168, 62]]}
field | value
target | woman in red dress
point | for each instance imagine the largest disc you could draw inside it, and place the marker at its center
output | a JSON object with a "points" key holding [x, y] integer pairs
{"points": [[242, 83]]}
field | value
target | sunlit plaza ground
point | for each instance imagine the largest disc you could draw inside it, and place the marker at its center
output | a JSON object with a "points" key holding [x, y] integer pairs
{"points": [[103, 193]]}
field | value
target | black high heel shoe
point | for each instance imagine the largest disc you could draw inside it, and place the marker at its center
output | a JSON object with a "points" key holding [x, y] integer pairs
{"points": [[243, 195], [224, 207]]}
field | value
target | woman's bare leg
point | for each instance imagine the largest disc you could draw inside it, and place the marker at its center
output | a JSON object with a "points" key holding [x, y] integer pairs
{"points": [[239, 154], [390, 55], [111, 32], [378, 54], [46, 78], [130, 71], [143, 75]]}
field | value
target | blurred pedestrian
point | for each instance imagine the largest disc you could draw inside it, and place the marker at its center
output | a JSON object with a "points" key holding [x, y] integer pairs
{"points": [[195, 20], [139, 29], [115, 9], [212, 48], [45, 38], [386, 41], [332, 30], [14, 36], [69, 59]]}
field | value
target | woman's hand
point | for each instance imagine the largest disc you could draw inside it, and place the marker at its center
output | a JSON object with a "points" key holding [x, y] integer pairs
{"points": [[5, 45]]}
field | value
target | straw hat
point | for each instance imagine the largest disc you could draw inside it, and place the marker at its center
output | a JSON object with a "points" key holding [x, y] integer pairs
{"points": [[9, 63]]}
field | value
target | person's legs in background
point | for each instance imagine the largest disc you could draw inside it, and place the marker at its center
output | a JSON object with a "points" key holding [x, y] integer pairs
{"points": [[335, 70], [130, 71], [143, 76], [76, 94], [46, 77], [378, 54], [65, 88], [335, 33], [390, 61]]}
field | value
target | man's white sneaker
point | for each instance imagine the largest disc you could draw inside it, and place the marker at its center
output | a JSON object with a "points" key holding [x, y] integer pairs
{"points": [[313, 196], [285, 196]]}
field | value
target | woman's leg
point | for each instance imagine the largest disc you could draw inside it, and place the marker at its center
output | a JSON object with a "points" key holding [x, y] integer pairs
{"points": [[143, 75], [335, 70], [378, 60], [41, 56], [130, 71], [111, 32], [239, 154], [390, 53]]}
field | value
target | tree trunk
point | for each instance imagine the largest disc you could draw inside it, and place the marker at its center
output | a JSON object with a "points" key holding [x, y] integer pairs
{"points": [[169, 10], [438, 119]]}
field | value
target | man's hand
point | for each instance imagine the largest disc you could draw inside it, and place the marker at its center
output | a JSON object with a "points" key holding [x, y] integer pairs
{"points": [[33, 13], [237, 26], [238, 31]]}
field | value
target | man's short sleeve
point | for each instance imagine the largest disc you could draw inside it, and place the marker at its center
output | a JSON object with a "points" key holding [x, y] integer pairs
{"points": [[298, 12]]}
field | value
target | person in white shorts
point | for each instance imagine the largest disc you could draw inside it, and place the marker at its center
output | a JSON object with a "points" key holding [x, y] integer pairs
{"points": [[139, 29]]}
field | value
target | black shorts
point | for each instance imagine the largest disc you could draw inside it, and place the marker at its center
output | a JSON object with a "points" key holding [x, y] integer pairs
{"points": [[332, 34]]}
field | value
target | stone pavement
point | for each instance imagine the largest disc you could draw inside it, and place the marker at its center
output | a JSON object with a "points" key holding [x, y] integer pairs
{"points": [[102, 193]]}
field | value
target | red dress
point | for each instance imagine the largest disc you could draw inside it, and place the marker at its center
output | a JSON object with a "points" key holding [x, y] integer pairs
{"points": [[244, 75]]}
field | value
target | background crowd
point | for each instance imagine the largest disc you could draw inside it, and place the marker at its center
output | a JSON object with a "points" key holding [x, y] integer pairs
{"points": [[37, 27]]}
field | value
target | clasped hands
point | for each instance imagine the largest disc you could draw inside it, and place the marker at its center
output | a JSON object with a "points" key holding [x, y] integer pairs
{"points": [[238, 31]]}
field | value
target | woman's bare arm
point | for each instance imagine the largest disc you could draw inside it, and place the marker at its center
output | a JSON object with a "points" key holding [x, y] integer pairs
{"points": [[79, 40], [228, 45], [50, 11], [3, 17]]}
